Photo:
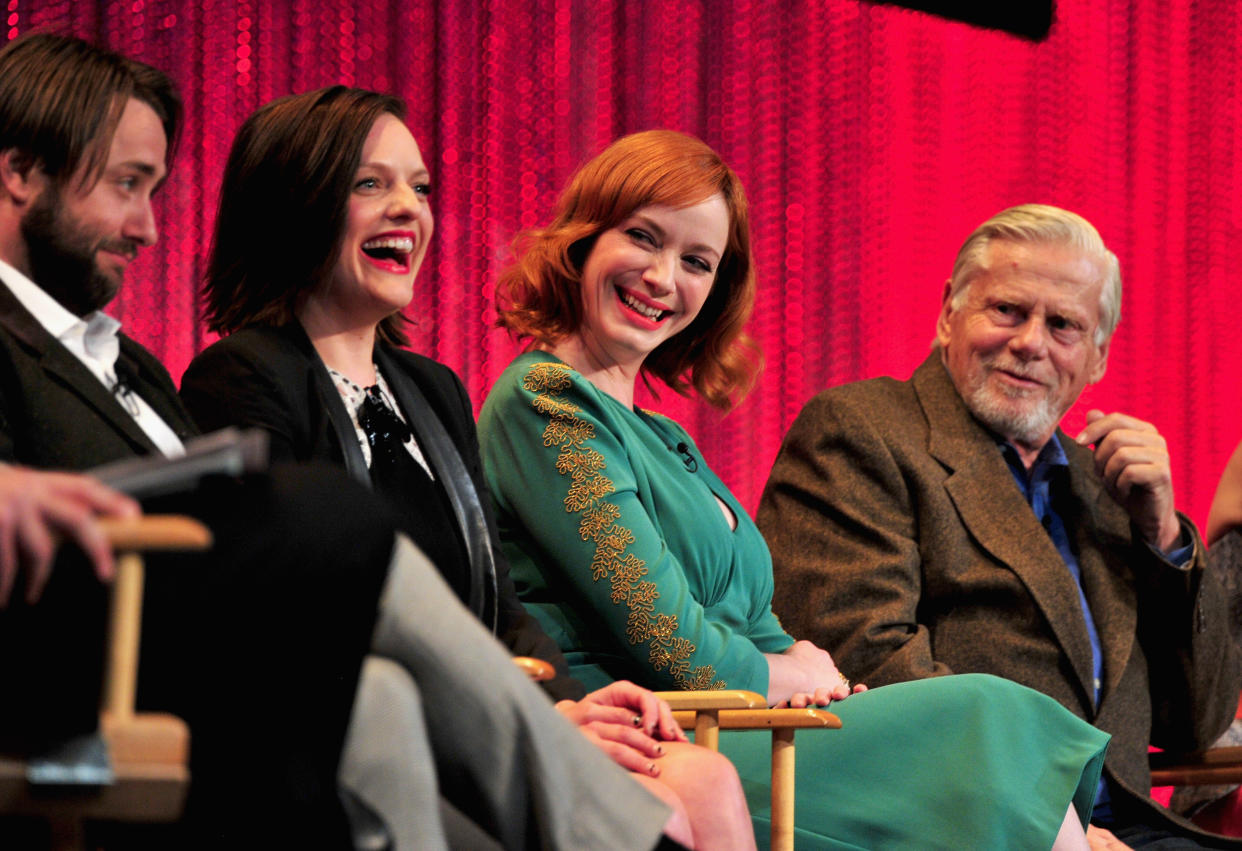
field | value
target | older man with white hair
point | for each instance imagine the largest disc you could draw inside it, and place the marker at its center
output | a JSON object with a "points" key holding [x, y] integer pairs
{"points": [[945, 524]]}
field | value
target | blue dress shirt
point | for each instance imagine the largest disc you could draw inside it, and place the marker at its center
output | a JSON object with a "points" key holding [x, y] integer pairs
{"points": [[1036, 487]]}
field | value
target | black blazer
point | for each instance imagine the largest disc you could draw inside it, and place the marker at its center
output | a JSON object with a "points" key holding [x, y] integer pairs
{"points": [[55, 414], [273, 378]]}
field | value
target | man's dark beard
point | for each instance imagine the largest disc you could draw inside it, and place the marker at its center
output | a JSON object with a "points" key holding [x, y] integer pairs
{"points": [[62, 257]]}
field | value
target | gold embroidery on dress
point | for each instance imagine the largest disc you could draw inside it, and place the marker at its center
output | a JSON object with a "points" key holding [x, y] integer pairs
{"points": [[598, 522]]}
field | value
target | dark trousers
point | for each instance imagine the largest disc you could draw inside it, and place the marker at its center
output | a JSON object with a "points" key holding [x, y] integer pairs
{"points": [[256, 643]]}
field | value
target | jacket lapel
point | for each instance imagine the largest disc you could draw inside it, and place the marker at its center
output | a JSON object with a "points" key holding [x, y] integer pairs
{"points": [[444, 458], [338, 415], [992, 509], [154, 388], [67, 371]]}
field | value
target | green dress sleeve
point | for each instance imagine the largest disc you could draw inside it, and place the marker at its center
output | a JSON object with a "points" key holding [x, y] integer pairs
{"points": [[588, 483]]}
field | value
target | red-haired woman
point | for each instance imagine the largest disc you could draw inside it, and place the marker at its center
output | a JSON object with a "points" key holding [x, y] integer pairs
{"points": [[643, 565]]}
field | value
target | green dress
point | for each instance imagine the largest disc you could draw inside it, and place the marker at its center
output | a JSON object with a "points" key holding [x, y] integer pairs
{"points": [[618, 546]]}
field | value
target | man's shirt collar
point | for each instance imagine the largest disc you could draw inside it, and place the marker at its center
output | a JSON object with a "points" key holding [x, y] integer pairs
{"points": [[94, 341], [1052, 456], [47, 310], [95, 334]]}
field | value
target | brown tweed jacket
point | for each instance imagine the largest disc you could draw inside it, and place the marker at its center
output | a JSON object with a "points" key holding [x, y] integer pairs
{"points": [[902, 545]]}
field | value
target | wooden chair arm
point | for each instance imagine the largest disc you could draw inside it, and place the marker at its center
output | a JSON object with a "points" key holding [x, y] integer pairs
{"points": [[712, 699], [765, 719], [155, 532], [1218, 765], [537, 669], [709, 712]]}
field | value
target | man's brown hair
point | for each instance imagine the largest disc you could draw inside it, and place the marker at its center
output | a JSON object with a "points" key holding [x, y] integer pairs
{"points": [[62, 98]]}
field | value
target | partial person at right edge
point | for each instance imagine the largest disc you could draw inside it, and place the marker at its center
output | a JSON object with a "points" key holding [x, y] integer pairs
{"points": [[1226, 511], [1217, 807], [1224, 538]]}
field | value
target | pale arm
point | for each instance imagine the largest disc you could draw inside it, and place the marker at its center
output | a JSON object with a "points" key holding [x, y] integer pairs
{"points": [[1226, 511]]}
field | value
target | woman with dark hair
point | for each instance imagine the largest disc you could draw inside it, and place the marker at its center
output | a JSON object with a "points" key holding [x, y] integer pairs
{"points": [[644, 566], [322, 226]]}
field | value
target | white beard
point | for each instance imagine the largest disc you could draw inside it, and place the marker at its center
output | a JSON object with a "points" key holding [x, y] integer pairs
{"points": [[1000, 409]]}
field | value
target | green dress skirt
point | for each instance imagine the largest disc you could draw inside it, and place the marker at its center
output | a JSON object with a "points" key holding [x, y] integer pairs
{"points": [[963, 762]]}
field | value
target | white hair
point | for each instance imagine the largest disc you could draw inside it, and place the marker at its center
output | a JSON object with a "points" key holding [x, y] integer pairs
{"points": [[1040, 223]]}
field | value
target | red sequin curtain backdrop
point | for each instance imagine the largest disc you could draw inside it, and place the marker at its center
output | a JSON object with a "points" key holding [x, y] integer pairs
{"points": [[871, 139]]}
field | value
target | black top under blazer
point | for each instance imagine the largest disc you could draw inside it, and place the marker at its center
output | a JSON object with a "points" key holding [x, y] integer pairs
{"points": [[273, 378]]}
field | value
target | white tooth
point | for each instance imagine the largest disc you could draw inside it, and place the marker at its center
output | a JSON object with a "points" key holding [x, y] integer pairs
{"points": [[645, 310], [397, 243]]}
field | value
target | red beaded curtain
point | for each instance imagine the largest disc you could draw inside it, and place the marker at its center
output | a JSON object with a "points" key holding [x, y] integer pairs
{"points": [[872, 140]]}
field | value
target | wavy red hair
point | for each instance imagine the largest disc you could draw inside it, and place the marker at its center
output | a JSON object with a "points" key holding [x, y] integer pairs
{"points": [[539, 297]]}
